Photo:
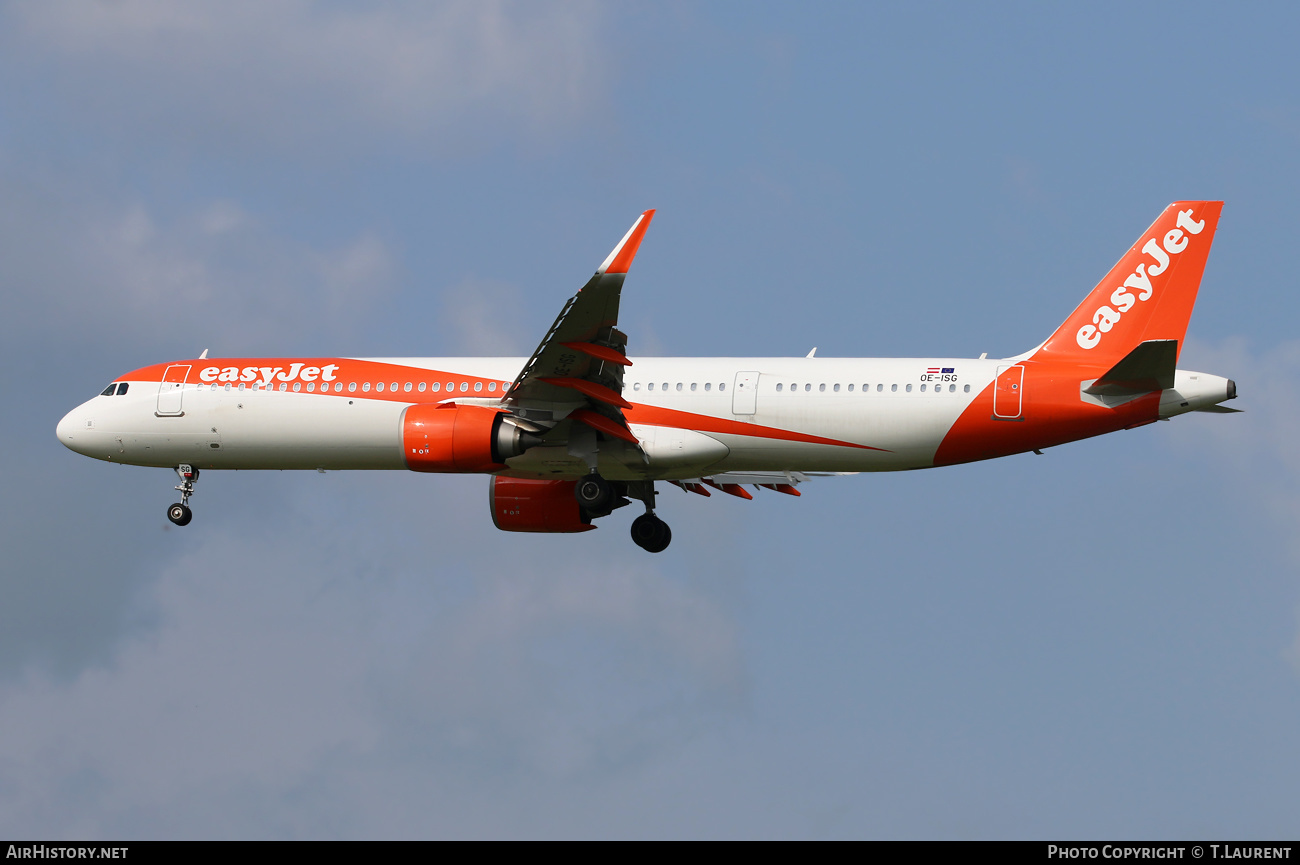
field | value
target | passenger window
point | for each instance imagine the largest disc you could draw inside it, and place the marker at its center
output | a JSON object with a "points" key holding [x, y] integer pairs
{"points": [[893, 388], [722, 385], [297, 386], [407, 387], [821, 387], [478, 386], [692, 385], [451, 386], [379, 387], [837, 388], [121, 389], [108, 391], [227, 387], [241, 385], [636, 386], [352, 386], [952, 388], [492, 386], [311, 387], [650, 386], [679, 387], [966, 389], [909, 388], [807, 387], [435, 387], [421, 387], [665, 387], [779, 386], [708, 385], [464, 386]]}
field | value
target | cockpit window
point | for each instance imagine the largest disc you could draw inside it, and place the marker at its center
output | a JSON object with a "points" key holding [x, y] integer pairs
{"points": [[108, 391], [121, 388]]}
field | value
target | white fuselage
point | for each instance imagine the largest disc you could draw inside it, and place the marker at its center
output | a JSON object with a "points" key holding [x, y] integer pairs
{"points": [[689, 414], [878, 403]]}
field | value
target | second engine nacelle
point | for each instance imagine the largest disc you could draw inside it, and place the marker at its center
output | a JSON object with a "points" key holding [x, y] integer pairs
{"points": [[460, 438], [525, 505]]}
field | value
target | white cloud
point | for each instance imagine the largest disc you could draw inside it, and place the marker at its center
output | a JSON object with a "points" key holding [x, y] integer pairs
{"points": [[347, 652], [291, 72], [484, 316], [88, 269]]}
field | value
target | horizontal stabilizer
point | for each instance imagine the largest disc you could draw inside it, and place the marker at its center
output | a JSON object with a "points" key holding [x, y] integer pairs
{"points": [[1149, 367], [1219, 409]]}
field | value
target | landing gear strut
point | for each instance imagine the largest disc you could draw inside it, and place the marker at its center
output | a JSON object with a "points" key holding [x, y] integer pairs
{"points": [[648, 531], [180, 513]]}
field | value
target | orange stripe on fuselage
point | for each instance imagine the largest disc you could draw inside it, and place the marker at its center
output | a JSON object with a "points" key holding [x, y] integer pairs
{"points": [[1052, 413], [303, 371], [657, 416]]}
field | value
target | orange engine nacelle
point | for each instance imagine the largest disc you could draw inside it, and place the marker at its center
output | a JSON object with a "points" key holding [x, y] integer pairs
{"points": [[523, 505], [459, 438]]}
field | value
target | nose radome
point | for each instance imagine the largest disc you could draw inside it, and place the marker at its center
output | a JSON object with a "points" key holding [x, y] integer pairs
{"points": [[67, 430]]}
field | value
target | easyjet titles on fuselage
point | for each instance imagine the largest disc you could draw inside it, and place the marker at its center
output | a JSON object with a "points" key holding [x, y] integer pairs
{"points": [[298, 371]]}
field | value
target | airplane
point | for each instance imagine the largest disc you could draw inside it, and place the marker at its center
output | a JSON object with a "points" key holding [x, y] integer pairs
{"points": [[578, 430]]}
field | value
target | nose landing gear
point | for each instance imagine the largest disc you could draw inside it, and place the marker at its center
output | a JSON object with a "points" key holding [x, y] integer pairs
{"points": [[180, 513]]}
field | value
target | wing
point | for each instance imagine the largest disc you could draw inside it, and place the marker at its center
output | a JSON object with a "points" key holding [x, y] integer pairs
{"points": [[577, 371]]}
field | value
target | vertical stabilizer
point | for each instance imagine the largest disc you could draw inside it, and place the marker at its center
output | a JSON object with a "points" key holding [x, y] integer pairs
{"points": [[1148, 295]]}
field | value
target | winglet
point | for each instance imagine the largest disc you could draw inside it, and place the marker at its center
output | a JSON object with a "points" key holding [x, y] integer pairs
{"points": [[621, 258]]}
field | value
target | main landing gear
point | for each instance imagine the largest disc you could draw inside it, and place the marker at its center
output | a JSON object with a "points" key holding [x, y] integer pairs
{"points": [[597, 497], [594, 494], [180, 512], [648, 531], [651, 533]]}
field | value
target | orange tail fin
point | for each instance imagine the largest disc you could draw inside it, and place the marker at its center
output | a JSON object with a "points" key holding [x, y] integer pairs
{"points": [[1148, 295]]}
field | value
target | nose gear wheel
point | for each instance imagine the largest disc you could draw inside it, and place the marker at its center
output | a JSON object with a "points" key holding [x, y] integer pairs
{"points": [[179, 512]]}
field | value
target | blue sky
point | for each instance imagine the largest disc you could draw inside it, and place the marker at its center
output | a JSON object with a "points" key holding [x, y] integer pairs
{"points": [[1103, 641]]}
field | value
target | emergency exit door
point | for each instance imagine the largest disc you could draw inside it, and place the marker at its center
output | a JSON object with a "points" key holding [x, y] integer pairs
{"points": [[1009, 394], [744, 396]]}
